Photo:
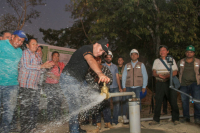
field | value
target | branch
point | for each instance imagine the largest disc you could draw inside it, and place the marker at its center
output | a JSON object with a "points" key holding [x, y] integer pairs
{"points": [[84, 31], [13, 6], [156, 7], [25, 9]]}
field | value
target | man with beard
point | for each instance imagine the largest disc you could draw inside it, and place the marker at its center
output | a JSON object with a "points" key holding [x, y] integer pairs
{"points": [[190, 83], [72, 79], [115, 86]]}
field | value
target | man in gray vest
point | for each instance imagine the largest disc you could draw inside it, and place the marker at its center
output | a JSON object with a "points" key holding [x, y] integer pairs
{"points": [[162, 76], [190, 83], [134, 78]]}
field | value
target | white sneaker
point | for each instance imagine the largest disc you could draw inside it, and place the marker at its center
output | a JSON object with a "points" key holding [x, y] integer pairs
{"points": [[120, 119], [125, 120]]}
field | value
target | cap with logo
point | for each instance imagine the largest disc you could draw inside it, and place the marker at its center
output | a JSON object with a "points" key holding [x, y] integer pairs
{"points": [[21, 34], [190, 48], [134, 51], [104, 44]]}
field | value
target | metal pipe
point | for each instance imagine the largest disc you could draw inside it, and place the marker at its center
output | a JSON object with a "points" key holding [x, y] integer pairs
{"points": [[134, 115], [162, 118], [122, 94]]}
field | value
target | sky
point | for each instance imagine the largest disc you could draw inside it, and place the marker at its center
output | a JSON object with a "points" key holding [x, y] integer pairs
{"points": [[53, 15]]}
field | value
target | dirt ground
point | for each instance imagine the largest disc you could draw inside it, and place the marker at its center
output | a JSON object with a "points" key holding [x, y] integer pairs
{"points": [[165, 125]]}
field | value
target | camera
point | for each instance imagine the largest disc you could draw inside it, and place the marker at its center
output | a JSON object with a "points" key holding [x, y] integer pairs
{"points": [[169, 59]]}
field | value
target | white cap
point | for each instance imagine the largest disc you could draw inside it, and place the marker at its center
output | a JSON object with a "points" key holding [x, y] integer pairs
{"points": [[110, 53], [134, 51]]}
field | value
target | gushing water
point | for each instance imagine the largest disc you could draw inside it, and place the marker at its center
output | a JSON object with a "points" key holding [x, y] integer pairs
{"points": [[80, 98]]}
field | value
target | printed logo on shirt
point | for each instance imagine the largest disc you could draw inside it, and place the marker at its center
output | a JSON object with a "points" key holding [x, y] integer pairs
{"points": [[138, 66], [128, 67]]}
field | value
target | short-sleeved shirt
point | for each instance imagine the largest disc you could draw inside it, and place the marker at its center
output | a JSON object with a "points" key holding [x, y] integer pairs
{"points": [[114, 70], [161, 69], [77, 65], [56, 70], [9, 60]]}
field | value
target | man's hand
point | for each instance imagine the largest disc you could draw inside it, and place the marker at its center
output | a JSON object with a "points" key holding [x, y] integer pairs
{"points": [[124, 90], [143, 90], [161, 76], [120, 90], [47, 64], [103, 78]]}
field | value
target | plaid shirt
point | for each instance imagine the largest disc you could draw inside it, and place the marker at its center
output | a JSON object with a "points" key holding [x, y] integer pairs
{"points": [[29, 73]]}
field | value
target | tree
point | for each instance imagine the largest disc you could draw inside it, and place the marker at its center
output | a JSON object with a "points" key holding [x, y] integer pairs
{"points": [[23, 12], [140, 23], [73, 37]]}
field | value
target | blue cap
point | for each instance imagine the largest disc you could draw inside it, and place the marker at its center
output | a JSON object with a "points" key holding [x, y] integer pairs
{"points": [[20, 34], [143, 95]]}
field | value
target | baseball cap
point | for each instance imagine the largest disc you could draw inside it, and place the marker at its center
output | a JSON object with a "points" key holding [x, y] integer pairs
{"points": [[190, 48], [104, 44], [134, 51], [164, 47], [20, 34]]}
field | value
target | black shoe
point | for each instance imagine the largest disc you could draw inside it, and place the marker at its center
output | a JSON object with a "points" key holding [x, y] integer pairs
{"points": [[197, 121], [85, 123], [82, 131], [185, 120]]}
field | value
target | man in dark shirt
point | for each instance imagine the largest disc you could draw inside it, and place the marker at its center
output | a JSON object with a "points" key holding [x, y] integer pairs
{"points": [[190, 83], [73, 77]]}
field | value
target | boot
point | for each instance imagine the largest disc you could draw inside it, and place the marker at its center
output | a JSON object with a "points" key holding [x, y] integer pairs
{"points": [[99, 126], [108, 125]]}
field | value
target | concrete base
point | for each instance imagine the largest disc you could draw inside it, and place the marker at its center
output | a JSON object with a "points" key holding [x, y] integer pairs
{"points": [[127, 130]]}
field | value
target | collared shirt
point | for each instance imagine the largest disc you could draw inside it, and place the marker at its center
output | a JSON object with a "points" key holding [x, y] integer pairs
{"points": [[161, 69], [9, 60], [29, 73], [114, 70], [144, 73]]}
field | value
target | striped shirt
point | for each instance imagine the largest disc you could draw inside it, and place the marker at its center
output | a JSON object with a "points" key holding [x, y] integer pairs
{"points": [[29, 73]]}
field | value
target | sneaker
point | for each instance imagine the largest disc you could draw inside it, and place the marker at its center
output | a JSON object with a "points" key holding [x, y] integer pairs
{"points": [[176, 122], [125, 120], [197, 121], [120, 119], [108, 125], [185, 120], [154, 123]]}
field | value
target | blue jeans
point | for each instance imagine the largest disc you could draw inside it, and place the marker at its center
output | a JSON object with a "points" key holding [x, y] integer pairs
{"points": [[71, 89], [8, 98], [194, 90], [115, 105], [125, 105]]}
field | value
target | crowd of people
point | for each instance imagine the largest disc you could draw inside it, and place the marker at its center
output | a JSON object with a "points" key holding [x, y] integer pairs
{"points": [[23, 74]]}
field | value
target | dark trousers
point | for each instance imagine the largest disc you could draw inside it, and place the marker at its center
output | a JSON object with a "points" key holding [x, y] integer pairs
{"points": [[54, 99], [165, 105], [162, 89], [28, 109], [194, 90], [105, 108]]}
